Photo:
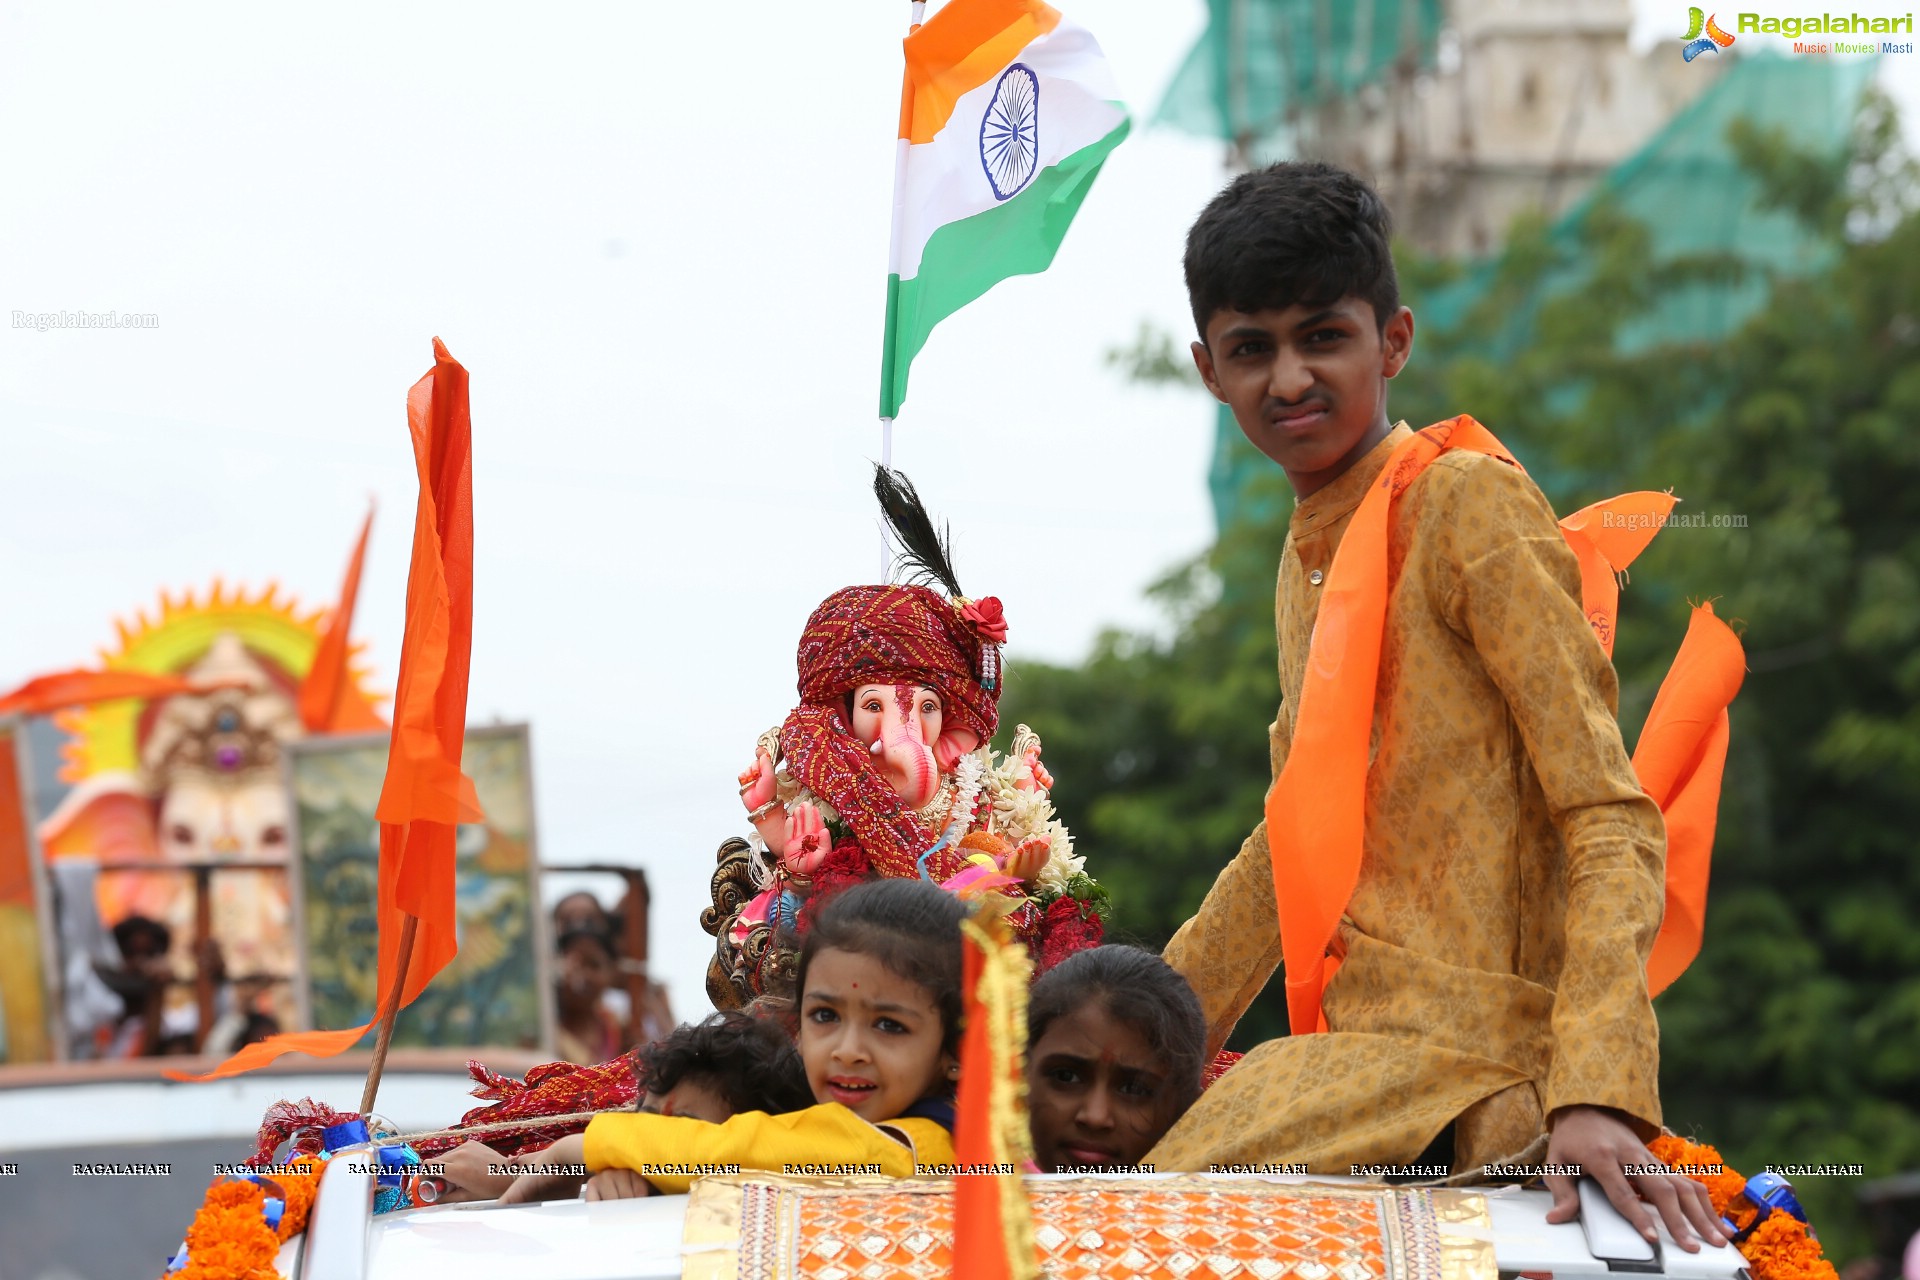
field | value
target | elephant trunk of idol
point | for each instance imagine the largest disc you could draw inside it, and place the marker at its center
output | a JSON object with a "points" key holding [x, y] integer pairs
{"points": [[908, 756]]}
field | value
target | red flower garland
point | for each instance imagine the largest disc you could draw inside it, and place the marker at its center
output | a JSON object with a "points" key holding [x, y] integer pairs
{"points": [[1069, 927]]}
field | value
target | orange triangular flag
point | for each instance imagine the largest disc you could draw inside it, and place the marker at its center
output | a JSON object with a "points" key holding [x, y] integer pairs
{"points": [[425, 793], [44, 695], [328, 701], [1680, 759]]}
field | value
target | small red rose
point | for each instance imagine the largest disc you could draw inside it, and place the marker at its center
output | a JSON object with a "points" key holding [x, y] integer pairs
{"points": [[988, 622]]}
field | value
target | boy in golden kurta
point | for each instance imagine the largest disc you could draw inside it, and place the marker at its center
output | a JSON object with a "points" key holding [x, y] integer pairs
{"points": [[1484, 987]]}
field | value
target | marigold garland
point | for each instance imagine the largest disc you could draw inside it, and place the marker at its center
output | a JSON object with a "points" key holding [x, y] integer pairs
{"points": [[230, 1238], [1780, 1248]]}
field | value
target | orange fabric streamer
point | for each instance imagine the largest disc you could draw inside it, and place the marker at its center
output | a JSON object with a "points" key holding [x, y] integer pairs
{"points": [[425, 793], [1316, 808], [1681, 757], [992, 1221], [1606, 537], [328, 703], [977, 1250], [44, 695]]}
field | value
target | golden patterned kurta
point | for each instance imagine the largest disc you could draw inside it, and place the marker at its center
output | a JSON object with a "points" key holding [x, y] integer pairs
{"points": [[1512, 877]]}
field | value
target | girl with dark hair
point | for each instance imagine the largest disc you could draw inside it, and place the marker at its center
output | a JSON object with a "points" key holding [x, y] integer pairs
{"points": [[1116, 1044], [879, 979]]}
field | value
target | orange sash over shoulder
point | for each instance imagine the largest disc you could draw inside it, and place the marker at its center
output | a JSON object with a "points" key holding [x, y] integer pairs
{"points": [[1316, 808]]}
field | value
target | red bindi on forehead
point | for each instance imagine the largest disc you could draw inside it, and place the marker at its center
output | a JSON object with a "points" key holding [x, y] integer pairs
{"points": [[903, 695]]}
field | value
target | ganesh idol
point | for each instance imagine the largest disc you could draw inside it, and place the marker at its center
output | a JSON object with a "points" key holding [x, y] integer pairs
{"points": [[885, 768]]}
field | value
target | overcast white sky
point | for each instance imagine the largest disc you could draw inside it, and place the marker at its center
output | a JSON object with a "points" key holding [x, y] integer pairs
{"points": [[656, 235]]}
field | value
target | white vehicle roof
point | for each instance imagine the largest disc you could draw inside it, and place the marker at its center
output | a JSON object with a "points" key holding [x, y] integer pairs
{"points": [[641, 1239]]}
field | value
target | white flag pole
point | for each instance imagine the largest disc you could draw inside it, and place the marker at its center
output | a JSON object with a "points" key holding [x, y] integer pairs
{"points": [[919, 8]]}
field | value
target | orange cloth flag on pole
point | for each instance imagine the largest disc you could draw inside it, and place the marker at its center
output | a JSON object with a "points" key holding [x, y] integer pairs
{"points": [[328, 701], [44, 695], [992, 1220], [425, 793], [1680, 759]]}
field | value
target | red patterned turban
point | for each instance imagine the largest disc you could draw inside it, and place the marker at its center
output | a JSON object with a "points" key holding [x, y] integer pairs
{"points": [[897, 635], [888, 635]]}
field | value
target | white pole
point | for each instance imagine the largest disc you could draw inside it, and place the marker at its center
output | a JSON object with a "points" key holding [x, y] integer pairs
{"points": [[919, 8]]}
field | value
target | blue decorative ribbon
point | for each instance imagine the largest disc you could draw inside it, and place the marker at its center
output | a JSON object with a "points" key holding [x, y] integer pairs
{"points": [[348, 1133]]}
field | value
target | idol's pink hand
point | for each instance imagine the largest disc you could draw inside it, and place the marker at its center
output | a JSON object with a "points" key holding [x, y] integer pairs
{"points": [[1037, 771], [807, 839], [1025, 862], [757, 783]]}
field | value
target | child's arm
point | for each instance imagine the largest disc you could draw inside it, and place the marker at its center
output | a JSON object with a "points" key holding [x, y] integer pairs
{"points": [[1231, 946], [1518, 599], [669, 1151]]}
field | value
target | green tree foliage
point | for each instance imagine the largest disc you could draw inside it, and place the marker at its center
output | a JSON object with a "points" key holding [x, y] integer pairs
{"points": [[1795, 1037]]}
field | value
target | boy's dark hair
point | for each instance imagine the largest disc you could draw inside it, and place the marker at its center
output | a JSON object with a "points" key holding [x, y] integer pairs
{"points": [[1139, 990], [133, 927], [910, 926], [1298, 232], [749, 1061]]}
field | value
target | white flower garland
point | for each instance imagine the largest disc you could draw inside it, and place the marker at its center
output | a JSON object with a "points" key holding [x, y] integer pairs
{"points": [[1017, 814], [968, 778], [1022, 814]]}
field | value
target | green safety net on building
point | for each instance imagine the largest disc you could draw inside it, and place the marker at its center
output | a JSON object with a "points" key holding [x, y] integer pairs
{"points": [[1259, 60], [1689, 190], [1686, 186]]}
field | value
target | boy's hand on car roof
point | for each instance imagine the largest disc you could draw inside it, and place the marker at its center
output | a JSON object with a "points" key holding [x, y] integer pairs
{"points": [[1605, 1148]]}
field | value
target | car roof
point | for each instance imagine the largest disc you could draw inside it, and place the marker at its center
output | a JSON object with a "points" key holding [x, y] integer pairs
{"points": [[641, 1239]]}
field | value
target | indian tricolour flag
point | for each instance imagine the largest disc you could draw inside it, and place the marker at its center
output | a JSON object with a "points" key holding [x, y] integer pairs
{"points": [[1007, 114]]}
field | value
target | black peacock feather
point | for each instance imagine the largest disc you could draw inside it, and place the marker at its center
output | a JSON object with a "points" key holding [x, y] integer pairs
{"points": [[925, 553]]}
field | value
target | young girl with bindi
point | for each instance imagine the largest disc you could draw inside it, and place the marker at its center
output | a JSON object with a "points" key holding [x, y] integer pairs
{"points": [[879, 1007], [1115, 1050]]}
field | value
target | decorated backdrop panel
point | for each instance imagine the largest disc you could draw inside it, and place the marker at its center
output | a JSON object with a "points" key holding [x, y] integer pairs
{"points": [[1177, 1228], [23, 1014], [493, 992]]}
